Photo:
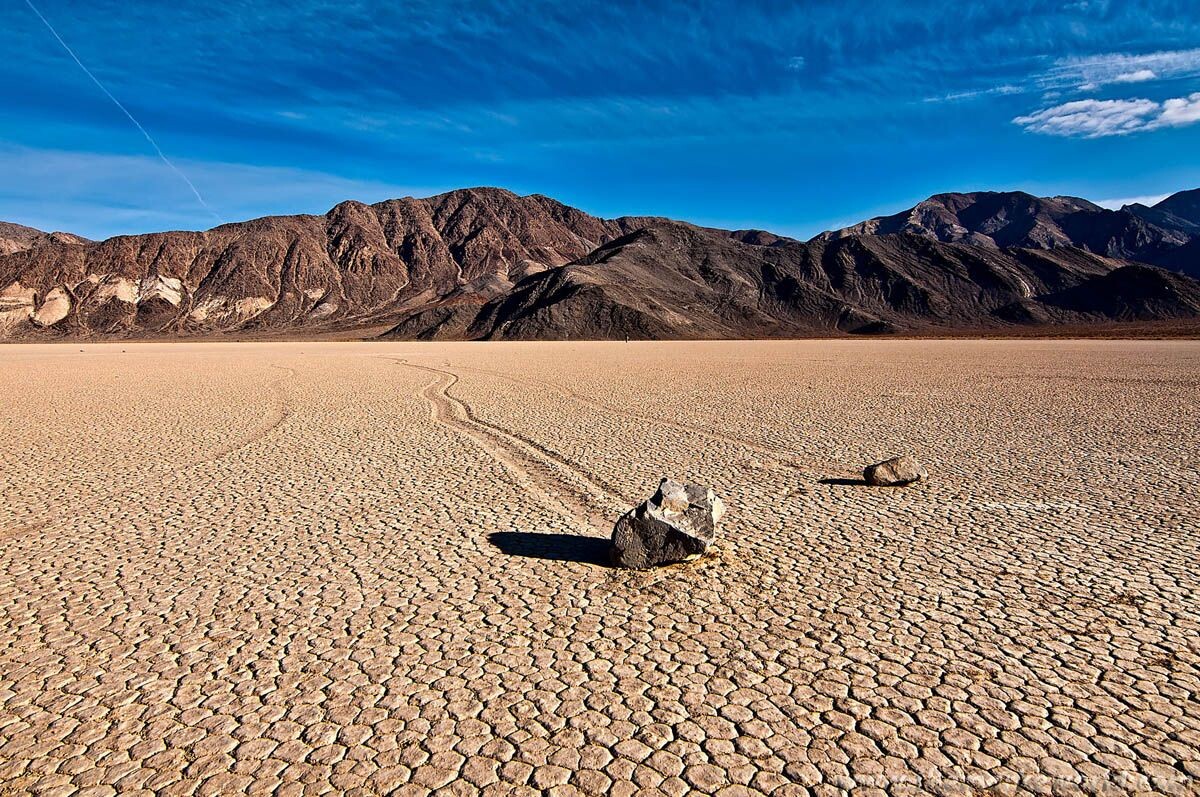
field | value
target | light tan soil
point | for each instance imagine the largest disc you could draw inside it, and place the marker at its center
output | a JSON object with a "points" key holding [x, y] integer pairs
{"points": [[350, 568]]}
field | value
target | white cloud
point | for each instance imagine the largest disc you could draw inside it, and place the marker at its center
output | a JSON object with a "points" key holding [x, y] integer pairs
{"points": [[1099, 118], [1181, 111], [1092, 118], [1137, 76], [796, 63]]}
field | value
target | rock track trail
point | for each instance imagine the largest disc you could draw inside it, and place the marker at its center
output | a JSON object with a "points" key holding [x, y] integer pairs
{"points": [[585, 501], [777, 458]]}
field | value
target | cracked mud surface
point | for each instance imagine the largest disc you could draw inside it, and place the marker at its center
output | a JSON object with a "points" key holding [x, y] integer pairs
{"points": [[377, 568]]}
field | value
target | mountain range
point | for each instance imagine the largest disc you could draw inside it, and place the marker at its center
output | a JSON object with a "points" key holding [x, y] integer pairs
{"points": [[484, 263]]}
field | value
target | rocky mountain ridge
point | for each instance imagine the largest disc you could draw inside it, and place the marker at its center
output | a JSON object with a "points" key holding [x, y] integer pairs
{"points": [[18, 238], [1016, 219], [485, 263]]}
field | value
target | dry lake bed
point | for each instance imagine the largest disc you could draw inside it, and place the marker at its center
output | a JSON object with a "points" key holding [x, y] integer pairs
{"points": [[325, 568]]}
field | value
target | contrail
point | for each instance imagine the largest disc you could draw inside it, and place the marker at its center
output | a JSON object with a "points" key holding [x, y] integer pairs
{"points": [[162, 155]]}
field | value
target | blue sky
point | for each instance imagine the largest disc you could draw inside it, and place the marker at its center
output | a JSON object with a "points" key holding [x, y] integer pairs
{"points": [[794, 117]]}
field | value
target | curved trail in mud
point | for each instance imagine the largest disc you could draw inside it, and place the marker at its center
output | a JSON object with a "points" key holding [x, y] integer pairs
{"points": [[583, 500], [280, 411]]}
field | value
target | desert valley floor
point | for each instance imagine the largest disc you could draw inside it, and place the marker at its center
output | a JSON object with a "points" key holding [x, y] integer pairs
{"points": [[312, 568]]}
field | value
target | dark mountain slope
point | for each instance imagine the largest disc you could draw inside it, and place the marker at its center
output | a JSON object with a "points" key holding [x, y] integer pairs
{"points": [[1017, 219], [1182, 205], [675, 280], [1163, 219], [1131, 293], [1185, 259]]}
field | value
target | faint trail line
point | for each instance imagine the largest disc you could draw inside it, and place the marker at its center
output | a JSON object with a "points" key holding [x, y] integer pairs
{"points": [[778, 455], [18, 530], [280, 411], [560, 486], [567, 506]]}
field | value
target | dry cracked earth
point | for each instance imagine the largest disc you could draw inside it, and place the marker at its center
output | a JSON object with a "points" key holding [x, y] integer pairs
{"points": [[380, 569]]}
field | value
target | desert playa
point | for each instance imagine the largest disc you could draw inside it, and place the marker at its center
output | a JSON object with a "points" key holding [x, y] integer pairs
{"points": [[313, 568]]}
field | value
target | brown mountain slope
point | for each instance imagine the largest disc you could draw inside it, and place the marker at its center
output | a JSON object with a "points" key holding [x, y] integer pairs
{"points": [[349, 267], [18, 238]]}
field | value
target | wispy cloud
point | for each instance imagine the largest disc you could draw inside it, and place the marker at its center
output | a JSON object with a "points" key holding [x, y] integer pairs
{"points": [[1089, 73], [955, 96], [1101, 118], [1117, 203], [1092, 118], [1180, 111]]}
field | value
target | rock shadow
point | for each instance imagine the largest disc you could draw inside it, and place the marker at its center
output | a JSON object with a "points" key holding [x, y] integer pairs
{"points": [[553, 547], [845, 482]]}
